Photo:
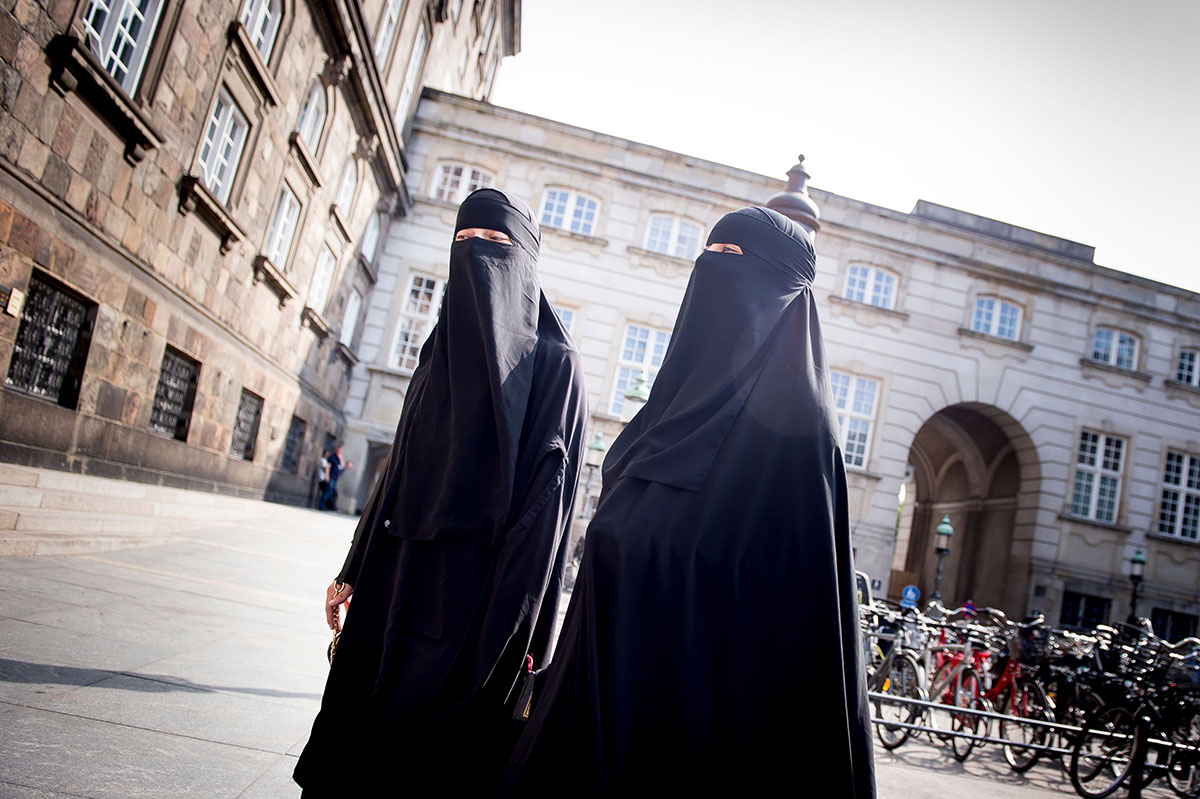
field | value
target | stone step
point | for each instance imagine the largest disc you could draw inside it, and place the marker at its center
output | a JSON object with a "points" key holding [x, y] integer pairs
{"points": [[60, 543]]}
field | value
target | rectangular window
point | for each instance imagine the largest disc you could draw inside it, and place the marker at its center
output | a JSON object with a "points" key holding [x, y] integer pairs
{"points": [[1179, 508], [1083, 611], [283, 225], [261, 20], [671, 235], [245, 425], [642, 350], [294, 445], [1172, 625], [1097, 487], [569, 210], [455, 181], [221, 149], [387, 29], [1188, 371], [566, 316], [1115, 347], [119, 33], [350, 317], [870, 285], [412, 76], [171, 414], [318, 290], [996, 317], [420, 312], [51, 347], [855, 399]]}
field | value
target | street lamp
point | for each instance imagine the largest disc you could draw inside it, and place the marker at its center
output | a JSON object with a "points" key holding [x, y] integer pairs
{"points": [[592, 459], [942, 548], [1137, 570], [638, 391]]}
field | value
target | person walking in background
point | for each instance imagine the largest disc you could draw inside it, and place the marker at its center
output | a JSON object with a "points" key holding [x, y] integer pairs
{"points": [[457, 563], [711, 646], [333, 471], [322, 476]]}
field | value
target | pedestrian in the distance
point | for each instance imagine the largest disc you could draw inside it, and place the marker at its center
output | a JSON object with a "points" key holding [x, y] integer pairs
{"points": [[322, 478], [333, 472], [457, 562], [712, 647]]}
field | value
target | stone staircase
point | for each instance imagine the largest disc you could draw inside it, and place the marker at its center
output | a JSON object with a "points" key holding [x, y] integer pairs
{"points": [[46, 512]]}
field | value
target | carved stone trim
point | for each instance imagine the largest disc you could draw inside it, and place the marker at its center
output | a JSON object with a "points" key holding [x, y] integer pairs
{"points": [[306, 159], [74, 68], [665, 265], [239, 36], [837, 299], [1088, 363], [195, 196], [1070, 517], [340, 224], [313, 320], [367, 268], [265, 272], [579, 237], [347, 354], [1007, 342]]}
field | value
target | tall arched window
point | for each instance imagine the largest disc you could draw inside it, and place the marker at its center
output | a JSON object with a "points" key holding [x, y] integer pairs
{"points": [[261, 18], [370, 239], [119, 33], [412, 76], [349, 182], [312, 116]]}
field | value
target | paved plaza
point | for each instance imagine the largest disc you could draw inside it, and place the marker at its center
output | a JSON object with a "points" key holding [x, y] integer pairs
{"points": [[190, 663]]}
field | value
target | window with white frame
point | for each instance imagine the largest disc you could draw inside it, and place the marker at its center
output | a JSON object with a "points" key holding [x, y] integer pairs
{"points": [[1115, 347], [312, 116], [1188, 370], [463, 59], [350, 317], [347, 186], [489, 28], [455, 9], [855, 398], [996, 317], [871, 285], [455, 181], [370, 239], [671, 235], [566, 316], [120, 33], [387, 30], [261, 18], [412, 76], [418, 316], [318, 290], [642, 350], [1097, 488], [1179, 510], [569, 210], [221, 148], [283, 225]]}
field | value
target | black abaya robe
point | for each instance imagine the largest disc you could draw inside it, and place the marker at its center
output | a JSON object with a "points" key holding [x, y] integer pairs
{"points": [[712, 641], [458, 559]]}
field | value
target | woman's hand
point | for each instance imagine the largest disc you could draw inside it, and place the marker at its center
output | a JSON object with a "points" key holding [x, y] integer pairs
{"points": [[336, 595]]}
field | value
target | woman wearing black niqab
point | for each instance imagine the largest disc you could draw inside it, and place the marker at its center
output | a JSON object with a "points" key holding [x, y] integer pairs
{"points": [[712, 638], [457, 561]]}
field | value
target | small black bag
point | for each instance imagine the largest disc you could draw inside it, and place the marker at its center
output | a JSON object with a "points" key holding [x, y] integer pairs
{"points": [[529, 691]]}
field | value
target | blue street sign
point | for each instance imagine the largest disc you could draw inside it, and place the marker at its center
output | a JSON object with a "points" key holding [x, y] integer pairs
{"points": [[909, 596]]}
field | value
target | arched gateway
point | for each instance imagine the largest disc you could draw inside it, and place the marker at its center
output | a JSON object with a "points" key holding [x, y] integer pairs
{"points": [[977, 465]]}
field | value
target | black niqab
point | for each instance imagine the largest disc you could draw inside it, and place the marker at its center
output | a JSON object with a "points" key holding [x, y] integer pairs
{"points": [[712, 640], [458, 558]]}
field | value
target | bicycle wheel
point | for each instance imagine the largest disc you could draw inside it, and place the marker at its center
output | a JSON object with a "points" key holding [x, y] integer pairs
{"points": [[1103, 753], [1025, 700], [1184, 767], [966, 695], [941, 691], [903, 681]]}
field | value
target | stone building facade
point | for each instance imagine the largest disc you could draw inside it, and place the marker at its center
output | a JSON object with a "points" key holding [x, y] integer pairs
{"points": [[1050, 407], [191, 200]]}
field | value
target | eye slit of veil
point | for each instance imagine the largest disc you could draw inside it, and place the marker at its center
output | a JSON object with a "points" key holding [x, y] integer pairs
{"points": [[483, 233], [720, 246]]}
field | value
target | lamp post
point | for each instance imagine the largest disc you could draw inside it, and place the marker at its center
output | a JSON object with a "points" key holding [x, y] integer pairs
{"points": [[942, 548], [1137, 570], [638, 392], [592, 459]]}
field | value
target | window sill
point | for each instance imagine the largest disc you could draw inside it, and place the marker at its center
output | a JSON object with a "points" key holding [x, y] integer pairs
{"points": [[392, 371], [239, 36], [1007, 342], [306, 159], [864, 472], [663, 264], [1179, 385], [1071, 517], [368, 268], [1174, 539], [1088, 363], [195, 196], [347, 354], [580, 237], [340, 223], [265, 271], [314, 321], [73, 68], [894, 314]]}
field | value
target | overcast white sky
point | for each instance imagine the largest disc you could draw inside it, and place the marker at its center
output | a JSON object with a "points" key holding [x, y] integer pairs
{"points": [[1077, 118]]}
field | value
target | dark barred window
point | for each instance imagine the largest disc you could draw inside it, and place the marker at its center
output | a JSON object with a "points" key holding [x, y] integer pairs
{"points": [[245, 426], [294, 444], [1083, 611], [1173, 625], [172, 411], [51, 347]]}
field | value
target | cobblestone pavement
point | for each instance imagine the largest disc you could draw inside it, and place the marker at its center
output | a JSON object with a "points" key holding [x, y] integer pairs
{"points": [[194, 667]]}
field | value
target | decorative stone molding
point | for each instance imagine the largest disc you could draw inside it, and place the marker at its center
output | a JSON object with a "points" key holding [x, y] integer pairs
{"points": [[866, 314], [346, 353], [306, 159], [336, 69], [1115, 376], [1070, 517], [339, 223], [74, 68], [313, 320], [239, 39], [668, 266], [367, 147], [567, 237], [265, 272], [989, 340], [195, 196], [1186, 391]]}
